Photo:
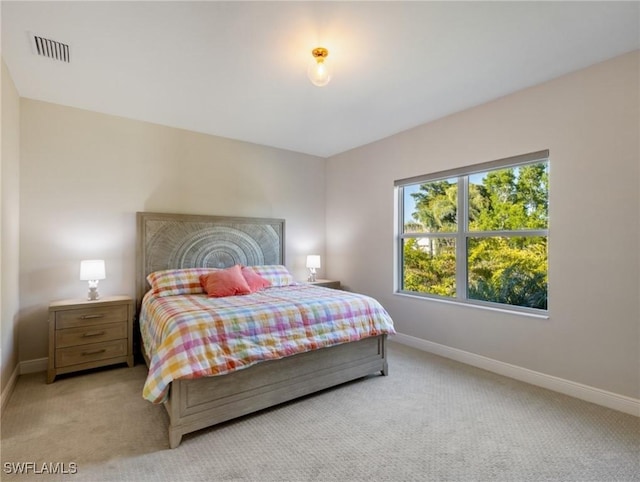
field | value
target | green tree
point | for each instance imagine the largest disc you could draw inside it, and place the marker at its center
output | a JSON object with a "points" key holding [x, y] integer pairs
{"points": [[533, 193], [437, 206], [429, 270]]}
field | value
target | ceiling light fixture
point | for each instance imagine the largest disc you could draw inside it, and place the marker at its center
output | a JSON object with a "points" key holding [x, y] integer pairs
{"points": [[318, 71]]}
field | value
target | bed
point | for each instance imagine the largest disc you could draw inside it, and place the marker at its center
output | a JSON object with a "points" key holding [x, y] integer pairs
{"points": [[203, 383]]}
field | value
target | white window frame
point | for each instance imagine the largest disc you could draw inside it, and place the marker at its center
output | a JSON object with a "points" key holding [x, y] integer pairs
{"points": [[462, 234]]}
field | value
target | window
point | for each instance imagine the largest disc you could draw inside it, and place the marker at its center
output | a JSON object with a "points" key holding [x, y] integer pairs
{"points": [[477, 235]]}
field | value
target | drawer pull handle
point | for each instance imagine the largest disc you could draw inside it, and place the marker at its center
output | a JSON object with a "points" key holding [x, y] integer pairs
{"points": [[93, 352], [90, 317], [92, 333]]}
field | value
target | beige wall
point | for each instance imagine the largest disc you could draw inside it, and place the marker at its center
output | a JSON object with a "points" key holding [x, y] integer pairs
{"points": [[84, 175], [589, 120], [9, 241]]}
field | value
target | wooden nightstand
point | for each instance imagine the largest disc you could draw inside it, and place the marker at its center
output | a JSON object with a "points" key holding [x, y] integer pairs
{"points": [[89, 334], [327, 283]]}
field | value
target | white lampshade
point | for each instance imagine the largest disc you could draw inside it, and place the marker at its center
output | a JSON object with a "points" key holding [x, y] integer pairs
{"points": [[92, 269], [313, 261]]}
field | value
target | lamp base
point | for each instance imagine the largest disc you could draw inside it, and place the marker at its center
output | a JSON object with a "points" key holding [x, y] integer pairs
{"points": [[312, 277], [93, 294]]}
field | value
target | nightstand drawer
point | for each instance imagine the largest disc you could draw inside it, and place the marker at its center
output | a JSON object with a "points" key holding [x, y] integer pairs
{"points": [[88, 353], [84, 335], [91, 316]]}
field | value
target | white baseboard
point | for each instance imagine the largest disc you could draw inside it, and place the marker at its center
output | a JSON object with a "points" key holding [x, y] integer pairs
{"points": [[22, 368], [34, 366], [607, 399], [8, 389]]}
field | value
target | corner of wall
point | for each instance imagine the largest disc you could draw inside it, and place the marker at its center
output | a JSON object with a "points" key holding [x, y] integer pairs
{"points": [[9, 221]]}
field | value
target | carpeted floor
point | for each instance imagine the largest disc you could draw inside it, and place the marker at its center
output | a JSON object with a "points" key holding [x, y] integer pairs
{"points": [[431, 419]]}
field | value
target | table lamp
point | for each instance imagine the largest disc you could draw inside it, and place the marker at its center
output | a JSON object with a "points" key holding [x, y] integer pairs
{"points": [[313, 263], [92, 270]]}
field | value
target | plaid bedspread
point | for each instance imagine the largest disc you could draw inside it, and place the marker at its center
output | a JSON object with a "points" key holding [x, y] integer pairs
{"points": [[191, 336]]}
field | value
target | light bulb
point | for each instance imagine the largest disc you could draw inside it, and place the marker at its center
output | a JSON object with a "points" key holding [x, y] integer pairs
{"points": [[319, 72]]}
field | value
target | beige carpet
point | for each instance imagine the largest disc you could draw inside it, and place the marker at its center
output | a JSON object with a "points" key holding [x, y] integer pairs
{"points": [[432, 419]]}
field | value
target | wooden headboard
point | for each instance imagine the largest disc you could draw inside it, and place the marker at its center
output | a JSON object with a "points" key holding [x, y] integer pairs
{"points": [[167, 241]]}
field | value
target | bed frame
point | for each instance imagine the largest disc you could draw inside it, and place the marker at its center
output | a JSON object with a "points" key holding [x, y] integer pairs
{"points": [[166, 241]]}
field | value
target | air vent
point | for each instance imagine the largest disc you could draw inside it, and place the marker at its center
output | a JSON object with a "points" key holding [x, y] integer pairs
{"points": [[50, 48]]}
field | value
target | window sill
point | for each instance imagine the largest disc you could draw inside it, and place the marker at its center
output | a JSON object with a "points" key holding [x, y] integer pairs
{"points": [[540, 316]]}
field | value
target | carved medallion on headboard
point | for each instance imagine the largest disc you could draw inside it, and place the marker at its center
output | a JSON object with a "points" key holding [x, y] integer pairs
{"points": [[167, 241]]}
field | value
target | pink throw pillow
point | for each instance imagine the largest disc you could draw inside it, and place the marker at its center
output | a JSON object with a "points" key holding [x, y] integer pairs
{"points": [[225, 282], [254, 280]]}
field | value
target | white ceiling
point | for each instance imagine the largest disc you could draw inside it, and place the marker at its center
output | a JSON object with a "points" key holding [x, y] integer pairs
{"points": [[238, 69]]}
